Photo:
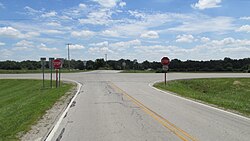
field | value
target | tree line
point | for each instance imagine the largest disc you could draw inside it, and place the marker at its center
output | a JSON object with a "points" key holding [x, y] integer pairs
{"points": [[176, 65]]}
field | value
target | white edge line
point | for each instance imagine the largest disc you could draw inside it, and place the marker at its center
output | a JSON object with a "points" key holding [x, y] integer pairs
{"points": [[208, 106], [55, 128]]}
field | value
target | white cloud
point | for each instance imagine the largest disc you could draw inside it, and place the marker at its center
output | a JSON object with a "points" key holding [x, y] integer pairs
{"points": [[10, 32], [102, 47], [230, 42], [121, 46], [137, 14], [215, 49], [49, 14], [201, 24], [64, 17], [55, 24], [14, 33], [223, 42], [97, 17], [205, 4], [31, 34], [76, 47], [150, 35], [31, 11], [244, 28], [95, 50], [113, 47], [101, 44], [24, 43], [83, 33], [52, 31], [220, 48], [122, 4], [45, 48], [82, 6], [5, 53], [205, 39], [142, 22], [117, 45], [107, 3], [2, 6], [110, 33], [185, 38], [244, 18], [20, 48], [2, 44]]}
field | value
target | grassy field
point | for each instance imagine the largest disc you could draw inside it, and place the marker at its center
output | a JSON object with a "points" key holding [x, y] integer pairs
{"points": [[229, 93], [37, 71], [22, 103]]}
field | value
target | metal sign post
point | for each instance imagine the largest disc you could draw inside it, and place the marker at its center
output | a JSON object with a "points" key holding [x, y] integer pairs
{"points": [[57, 65], [85, 64], [51, 70], [43, 66], [165, 69], [56, 78], [62, 61], [59, 83], [165, 62], [124, 65], [134, 63]]}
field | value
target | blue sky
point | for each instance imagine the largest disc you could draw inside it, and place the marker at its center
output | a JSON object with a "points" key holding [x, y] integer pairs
{"points": [[129, 29]]}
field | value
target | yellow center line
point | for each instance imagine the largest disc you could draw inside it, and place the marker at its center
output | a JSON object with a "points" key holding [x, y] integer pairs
{"points": [[177, 131]]}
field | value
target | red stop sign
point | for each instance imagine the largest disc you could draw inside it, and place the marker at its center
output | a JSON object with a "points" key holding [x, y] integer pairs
{"points": [[165, 61], [57, 64]]}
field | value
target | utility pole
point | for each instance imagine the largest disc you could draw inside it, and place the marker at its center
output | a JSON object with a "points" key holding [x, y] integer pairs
{"points": [[68, 44], [106, 59]]}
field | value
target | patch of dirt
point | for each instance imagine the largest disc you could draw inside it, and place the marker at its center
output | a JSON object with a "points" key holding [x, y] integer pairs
{"points": [[44, 125], [237, 83]]}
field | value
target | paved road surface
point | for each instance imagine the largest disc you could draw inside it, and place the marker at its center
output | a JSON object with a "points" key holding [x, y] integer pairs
{"points": [[114, 106]]}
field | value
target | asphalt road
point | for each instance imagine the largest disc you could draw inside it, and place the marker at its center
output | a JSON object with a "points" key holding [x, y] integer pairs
{"points": [[116, 106]]}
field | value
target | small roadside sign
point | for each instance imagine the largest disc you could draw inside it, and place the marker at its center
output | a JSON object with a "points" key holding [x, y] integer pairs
{"points": [[84, 63], [51, 62], [43, 61], [123, 64], [165, 61], [57, 64], [165, 67], [62, 61]]}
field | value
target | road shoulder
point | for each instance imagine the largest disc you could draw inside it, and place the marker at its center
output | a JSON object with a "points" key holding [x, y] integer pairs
{"points": [[44, 125]]}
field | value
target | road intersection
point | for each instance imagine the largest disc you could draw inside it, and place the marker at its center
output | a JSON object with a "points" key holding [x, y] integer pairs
{"points": [[120, 106]]}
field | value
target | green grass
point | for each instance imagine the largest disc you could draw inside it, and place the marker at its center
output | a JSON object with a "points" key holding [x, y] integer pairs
{"points": [[37, 71], [23, 102], [228, 93], [138, 71]]}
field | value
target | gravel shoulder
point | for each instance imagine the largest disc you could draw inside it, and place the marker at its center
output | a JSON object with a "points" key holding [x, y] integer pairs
{"points": [[41, 129]]}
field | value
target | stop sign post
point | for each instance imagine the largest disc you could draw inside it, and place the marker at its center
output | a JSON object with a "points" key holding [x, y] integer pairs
{"points": [[43, 63], [165, 61], [51, 68], [57, 65]]}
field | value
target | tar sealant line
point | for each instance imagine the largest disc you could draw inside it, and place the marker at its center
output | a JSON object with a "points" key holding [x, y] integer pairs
{"points": [[208, 106], [51, 134]]}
